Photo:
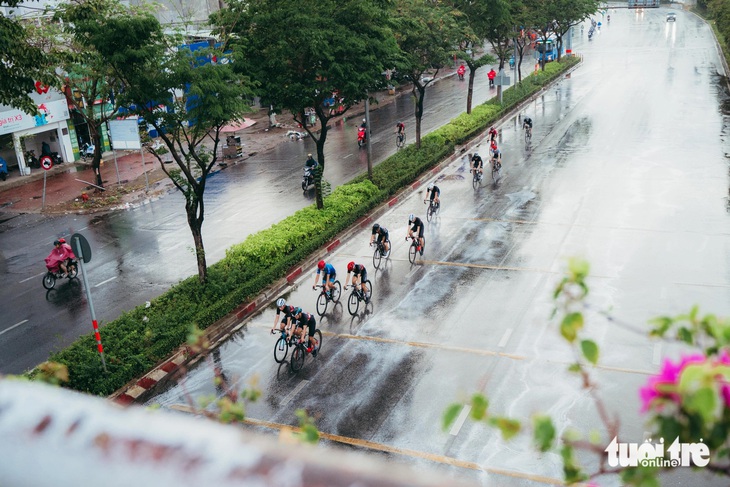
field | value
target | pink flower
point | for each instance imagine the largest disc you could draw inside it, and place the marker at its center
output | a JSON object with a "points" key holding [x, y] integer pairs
{"points": [[662, 386]]}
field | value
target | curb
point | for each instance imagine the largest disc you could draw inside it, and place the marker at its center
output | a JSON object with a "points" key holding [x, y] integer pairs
{"points": [[140, 389]]}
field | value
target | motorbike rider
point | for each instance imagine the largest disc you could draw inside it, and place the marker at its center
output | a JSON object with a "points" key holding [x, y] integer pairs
{"points": [[60, 256], [491, 75], [363, 129], [311, 162], [461, 71]]}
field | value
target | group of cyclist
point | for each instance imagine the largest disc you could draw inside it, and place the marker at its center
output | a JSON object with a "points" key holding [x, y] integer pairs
{"points": [[303, 324], [495, 154]]}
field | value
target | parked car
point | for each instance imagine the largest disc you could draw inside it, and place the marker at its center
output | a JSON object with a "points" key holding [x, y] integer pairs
{"points": [[671, 17]]}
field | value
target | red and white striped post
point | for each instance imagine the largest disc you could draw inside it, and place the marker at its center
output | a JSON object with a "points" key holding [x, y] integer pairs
{"points": [[78, 247]]}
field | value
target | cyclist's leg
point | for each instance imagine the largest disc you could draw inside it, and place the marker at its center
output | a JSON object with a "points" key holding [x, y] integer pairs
{"points": [[310, 329], [363, 286], [420, 238], [385, 242]]}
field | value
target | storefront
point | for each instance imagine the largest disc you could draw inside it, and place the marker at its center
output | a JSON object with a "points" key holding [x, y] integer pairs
{"points": [[24, 137]]}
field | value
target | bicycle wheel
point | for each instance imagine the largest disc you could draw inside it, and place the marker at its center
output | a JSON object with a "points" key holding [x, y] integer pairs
{"points": [[377, 257], [429, 212], [353, 303], [49, 280], [281, 348], [386, 253], [475, 179], [318, 341], [321, 304], [495, 172], [412, 253], [368, 294], [297, 358], [527, 135], [336, 292]]}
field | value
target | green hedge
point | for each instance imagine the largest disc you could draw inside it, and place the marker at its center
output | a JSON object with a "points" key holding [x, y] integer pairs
{"points": [[139, 339]]}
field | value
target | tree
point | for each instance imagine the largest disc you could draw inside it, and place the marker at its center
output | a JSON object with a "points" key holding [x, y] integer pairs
{"points": [[85, 77], [567, 13], [498, 17], [188, 97], [427, 34], [338, 50], [475, 29], [21, 64]]}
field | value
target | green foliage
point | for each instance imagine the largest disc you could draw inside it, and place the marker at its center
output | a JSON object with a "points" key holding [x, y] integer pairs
{"points": [[544, 432], [571, 325], [479, 405], [709, 331], [507, 426], [450, 415], [309, 432], [590, 350]]}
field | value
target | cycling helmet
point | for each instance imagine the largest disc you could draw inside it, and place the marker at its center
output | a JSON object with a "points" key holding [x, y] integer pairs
{"points": [[62, 240], [56, 242], [411, 217], [280, 302], [376, 227], [350, 266], [320, 265], [475, 156], [430, 187], [297, 311]]}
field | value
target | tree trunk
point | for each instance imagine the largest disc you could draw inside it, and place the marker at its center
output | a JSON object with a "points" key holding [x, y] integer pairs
{"points": [[95, 132], [470, 91], [319, 141], [418, 92], [195, 212]]}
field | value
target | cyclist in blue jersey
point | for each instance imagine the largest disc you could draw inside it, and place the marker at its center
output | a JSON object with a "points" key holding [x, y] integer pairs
{"points": [[328, 281]]}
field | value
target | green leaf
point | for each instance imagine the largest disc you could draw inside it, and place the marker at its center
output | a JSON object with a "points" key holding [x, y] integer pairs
{"points": [[576, 367], [571, 471], [479, 404], [702, 402], [685, 334], [570, 326], [508, 427], [579, 268], [544, 432], [590, 350], [450, 415]]}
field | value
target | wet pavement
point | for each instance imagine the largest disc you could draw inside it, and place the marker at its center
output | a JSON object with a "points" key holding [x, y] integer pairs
{"points": [[607, 177]]}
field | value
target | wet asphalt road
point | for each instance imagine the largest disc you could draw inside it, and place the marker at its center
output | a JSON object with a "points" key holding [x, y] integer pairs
{"points": [[626, 168], [138, 254]]}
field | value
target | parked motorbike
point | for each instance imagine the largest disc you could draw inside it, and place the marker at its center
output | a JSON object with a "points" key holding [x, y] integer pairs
{"points": [[55, 272], [362, 137], [32, 160], [308, 177], [87, 151], [3, 169]]}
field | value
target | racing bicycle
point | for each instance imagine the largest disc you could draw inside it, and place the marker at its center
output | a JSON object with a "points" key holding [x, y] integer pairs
{"points": [[325, 297], [380, 253], [415, 248], [528, 133], [476, 177], [357, 295], [300, 351], [281, 347], [400, 139], [433, 209], [496, 168]]}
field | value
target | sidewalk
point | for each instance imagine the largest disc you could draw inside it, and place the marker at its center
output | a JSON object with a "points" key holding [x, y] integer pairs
{"points": [[66, 182]]}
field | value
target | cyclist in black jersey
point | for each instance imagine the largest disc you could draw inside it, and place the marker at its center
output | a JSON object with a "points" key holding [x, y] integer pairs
{"points": [[433, 193], [359, 276], [382, 235], [306, 324], [478, 163], [415, 224], [286, 321]]}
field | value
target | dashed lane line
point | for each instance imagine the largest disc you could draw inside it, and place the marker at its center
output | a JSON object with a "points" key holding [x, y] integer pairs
{"points": [[31, 277], [460, 420], [14, 326], [371, 445], [104, 282]]}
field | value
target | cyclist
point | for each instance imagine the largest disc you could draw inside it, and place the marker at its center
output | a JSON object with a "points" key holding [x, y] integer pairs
{"points": [[433, 192], [492, 134], [417, 224], [328, 281], [527, 125], [497, 159], [382, 235], [305, 326], [400, 129], [492, 147], [478, 163], [281, 307], [359, 276]]}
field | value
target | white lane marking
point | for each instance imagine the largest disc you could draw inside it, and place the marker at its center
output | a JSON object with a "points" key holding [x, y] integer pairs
{"points": [[348, 155], [232, 217], [104, 282], [505, 337], [32, 277], [175, 246], [294, 392], [657, 353], [14, 326], [418, 268], [460, 420]]}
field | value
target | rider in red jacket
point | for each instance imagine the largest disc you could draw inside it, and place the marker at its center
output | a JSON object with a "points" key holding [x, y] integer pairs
{"points": [[491, 75]]}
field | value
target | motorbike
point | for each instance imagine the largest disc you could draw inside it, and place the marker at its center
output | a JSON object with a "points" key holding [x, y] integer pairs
{"points": [[461, 72], [55, 272], [308, 177], [87, 150], [362, 137], [590, 33], [3, 169], [32, 160]]}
